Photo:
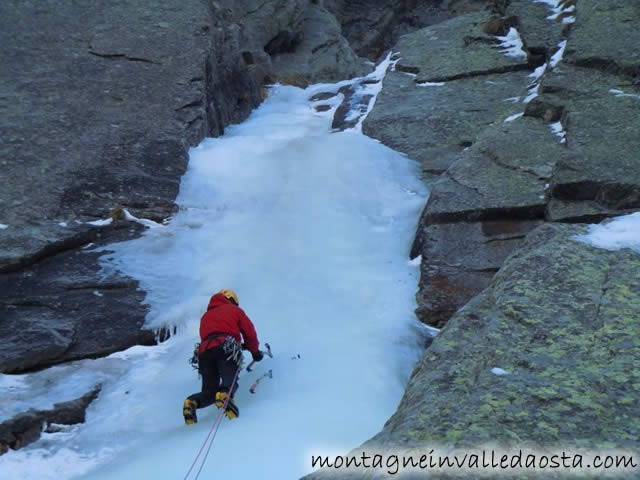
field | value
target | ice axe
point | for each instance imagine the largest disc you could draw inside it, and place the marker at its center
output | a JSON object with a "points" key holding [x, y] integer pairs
{"points": [[267, 352], [252, 388]]}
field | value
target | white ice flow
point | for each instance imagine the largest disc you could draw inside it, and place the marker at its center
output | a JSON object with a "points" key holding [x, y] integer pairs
{"points": [[312, 230]]}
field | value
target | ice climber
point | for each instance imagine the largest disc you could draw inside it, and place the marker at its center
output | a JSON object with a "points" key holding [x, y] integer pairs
{"points": [[222, 329]]}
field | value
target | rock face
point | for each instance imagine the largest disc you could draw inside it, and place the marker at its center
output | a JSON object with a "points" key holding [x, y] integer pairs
{"points": [[538, 343], [544, 356], [26, 428], [100, 105], [489, 145], [558, 318]]}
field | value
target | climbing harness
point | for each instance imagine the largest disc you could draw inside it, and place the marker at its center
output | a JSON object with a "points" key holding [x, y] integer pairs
{"points": [[232, 348]]}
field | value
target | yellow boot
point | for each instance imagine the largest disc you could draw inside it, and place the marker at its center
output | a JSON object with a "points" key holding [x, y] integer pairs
{"points": [[220, 398], [189, 411], [232, 410]]}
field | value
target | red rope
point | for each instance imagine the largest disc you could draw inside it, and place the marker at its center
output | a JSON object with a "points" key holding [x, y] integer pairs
{"points": [[214, 430]]}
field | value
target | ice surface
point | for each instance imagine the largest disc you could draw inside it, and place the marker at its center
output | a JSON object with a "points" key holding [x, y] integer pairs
{"points": [[3, 226], [499, 371], [621, 232], [312, 229]]}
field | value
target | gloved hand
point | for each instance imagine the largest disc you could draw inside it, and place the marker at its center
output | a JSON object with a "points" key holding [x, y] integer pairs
{"points": [[257, 356]]}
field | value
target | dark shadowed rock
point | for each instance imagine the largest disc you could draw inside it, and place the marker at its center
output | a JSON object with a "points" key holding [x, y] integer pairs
{"points": [[63, 309], [283, 42], [373, 26], [323, 55]]}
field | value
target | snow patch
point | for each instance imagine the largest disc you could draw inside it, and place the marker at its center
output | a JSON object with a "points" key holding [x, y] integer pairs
{"points": [[499, 371], [559, 131], [101, 223], [538, 72], [416, 262], [557, 57], [62, 224], [3, 226], [559, 10], [142, 221], [430, 84], [620, 93], [621, 232], [532, 93], [511, 44], [97, 293], [513, 117]]}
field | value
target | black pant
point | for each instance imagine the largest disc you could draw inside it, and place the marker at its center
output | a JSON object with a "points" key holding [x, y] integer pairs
{"points": [[217, 376]]}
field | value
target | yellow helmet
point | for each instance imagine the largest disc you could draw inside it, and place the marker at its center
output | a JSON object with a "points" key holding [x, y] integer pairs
{"points": [[230, 295]]}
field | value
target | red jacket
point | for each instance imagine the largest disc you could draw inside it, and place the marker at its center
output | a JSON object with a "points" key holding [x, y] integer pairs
{"points": [[224, 317]]}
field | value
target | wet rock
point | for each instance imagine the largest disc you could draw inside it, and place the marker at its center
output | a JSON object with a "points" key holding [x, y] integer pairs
{"points": [[459, 261], [26, 428], [95, 117]]}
